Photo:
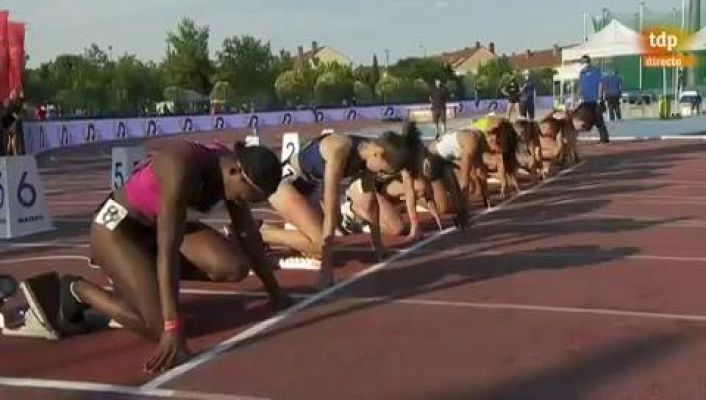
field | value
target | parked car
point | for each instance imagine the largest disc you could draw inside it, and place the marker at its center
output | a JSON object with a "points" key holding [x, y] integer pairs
{"points": [[639, 98], [690, 103]]}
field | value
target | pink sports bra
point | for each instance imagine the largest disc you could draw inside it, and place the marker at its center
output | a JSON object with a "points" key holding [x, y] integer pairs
{"points": [[142, 188]]}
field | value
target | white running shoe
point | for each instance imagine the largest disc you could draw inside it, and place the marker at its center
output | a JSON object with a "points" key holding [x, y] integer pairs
{"points": [[421, 208], [113, 324], [300, 263]]}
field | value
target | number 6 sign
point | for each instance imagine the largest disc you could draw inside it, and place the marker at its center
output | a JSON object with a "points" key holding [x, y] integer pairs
{"points": [[23, 207]]}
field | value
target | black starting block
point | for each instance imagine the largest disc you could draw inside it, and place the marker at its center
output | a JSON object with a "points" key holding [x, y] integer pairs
{"points": [[42, 297]]}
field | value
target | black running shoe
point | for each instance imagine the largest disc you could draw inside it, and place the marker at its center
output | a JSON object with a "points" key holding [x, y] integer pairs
{"points": [[71, 319]]}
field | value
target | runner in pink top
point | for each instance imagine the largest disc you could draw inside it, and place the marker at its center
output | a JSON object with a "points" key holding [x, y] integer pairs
{"points": [[142, 189], [144, 243]]}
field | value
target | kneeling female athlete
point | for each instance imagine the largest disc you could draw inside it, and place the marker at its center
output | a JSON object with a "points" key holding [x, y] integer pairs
{"points": [[324, 164], [143, 241]]}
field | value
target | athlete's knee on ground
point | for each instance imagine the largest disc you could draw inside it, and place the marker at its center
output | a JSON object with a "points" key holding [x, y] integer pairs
{"points": [[229, 268]]}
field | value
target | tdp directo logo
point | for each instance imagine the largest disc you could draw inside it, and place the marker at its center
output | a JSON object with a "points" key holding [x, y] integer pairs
{"points": [[662, 47]]}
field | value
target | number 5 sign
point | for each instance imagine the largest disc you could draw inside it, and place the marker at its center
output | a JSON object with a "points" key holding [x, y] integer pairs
{"points": [[125, 159], [23, 207]]}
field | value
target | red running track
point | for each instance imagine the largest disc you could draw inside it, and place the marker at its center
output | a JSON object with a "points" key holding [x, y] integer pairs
{"points": [[590, 286]]}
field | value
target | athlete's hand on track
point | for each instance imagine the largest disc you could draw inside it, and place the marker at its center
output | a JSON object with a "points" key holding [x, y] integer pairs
{"points": [[462, 220], [281, 300], [170, 352], [414, 234]]}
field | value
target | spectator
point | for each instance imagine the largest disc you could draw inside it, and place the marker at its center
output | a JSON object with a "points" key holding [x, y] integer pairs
{"points": [[613, 90], [696, 104], [590, 90], [512, 92], [9, 127], [40, 113], [438, 98], [528, 94]]}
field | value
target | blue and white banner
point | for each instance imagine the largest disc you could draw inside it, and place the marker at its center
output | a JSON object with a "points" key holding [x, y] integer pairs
{"points": [[42, 136]]}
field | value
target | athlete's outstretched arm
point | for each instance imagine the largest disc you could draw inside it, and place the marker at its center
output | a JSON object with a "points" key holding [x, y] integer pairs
{"points": [[248, 234]]}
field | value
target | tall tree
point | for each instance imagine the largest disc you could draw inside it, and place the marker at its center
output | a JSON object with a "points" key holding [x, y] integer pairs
{"points": [[246, 63], [134, 84], [374, 73], [187, 64], [491, 76]]}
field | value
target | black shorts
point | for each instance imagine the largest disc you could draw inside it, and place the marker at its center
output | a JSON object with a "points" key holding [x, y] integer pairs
{"points": [[133, 226], [438, 115]]}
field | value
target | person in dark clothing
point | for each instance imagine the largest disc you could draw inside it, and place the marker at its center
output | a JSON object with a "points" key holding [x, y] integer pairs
{"points": [[528, 93], [512, 92], [590, 90], [438, 98], [9, 115], [613, 90], [10, 126]]}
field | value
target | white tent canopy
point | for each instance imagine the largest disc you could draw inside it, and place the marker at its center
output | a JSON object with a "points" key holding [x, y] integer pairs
{"points": [[567, 72], [697, 41], [614, 40]]}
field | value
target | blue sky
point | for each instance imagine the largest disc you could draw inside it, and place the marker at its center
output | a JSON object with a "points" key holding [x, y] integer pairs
{"points": [[358, 28]]}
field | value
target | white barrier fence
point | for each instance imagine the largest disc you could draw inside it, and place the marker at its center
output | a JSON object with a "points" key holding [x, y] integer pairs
{"points": [[43, 136]]}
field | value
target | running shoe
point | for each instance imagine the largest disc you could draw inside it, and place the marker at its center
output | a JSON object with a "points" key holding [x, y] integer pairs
{"points": [[350, 223], [300, 263], [71, 320]]}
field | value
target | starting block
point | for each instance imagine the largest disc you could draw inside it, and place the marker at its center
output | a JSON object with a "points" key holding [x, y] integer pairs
{"points": [[252, 140], [37, 317], [23, 206], [124, 161]]}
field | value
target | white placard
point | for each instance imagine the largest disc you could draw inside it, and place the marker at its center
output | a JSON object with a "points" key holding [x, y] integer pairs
{"points": [[124, 161], [23, 204]]}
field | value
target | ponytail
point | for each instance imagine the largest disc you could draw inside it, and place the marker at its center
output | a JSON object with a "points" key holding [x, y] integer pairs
{"points": [[401, 150]]}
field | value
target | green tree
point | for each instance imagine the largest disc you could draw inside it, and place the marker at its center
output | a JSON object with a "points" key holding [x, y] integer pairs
{"points": [[134, 85], [543, 80], [292, 87], [363, 93], [187, 64], [249, 66], [428, 69], [388, 87], [363, 73], [333, 85], [491, 77], [222, 92], [374, 73]]}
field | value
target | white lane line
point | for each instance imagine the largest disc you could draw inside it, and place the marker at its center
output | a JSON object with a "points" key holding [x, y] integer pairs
{"points": [[272, 321], [641, 218], [550, 254], [92, 387], [641, 138], [45, 258], [587, 221], [553, 309], [647, 181], [479, 305], [50, 244]]}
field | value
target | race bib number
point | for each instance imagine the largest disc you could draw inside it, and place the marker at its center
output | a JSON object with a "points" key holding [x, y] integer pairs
{"points": [[110, 215]]}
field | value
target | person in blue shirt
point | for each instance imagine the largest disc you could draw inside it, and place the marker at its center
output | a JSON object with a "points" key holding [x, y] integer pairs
{"points": [[613, 89], [527, 95], [590, 91]]}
